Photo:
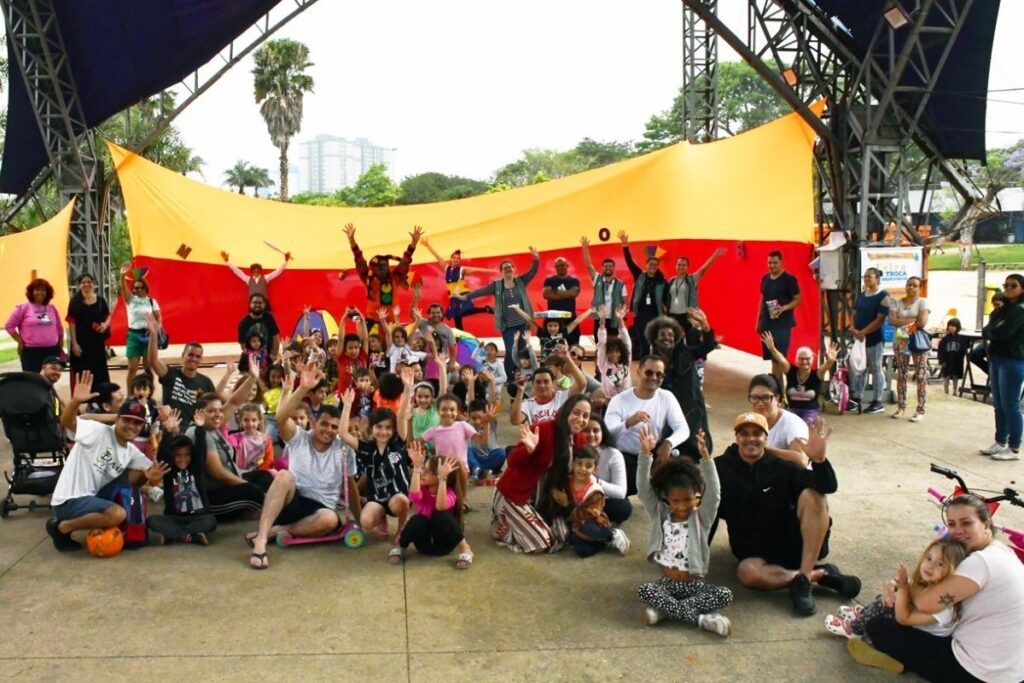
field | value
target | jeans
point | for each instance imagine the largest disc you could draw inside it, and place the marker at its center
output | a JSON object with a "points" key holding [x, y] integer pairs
{"points": [[1007, 379], [511, 360], [875, 369], [480, 460], [597, 539]]}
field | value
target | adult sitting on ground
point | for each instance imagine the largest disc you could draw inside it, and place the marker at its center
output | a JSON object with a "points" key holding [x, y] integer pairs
{"points": [[803, 382], [229, 490], [261, 323], [645, 404], [547, 399], [102, 458], [988, 588], [778, 521], [303, 499], [611, 470], [515, 523], [682, 348], [181, 386]]}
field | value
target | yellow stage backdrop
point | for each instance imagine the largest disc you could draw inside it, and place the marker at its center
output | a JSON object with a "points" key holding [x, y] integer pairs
{"points": [[42, 252], [750, 193]]}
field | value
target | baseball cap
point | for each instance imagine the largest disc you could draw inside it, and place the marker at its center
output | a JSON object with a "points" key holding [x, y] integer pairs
{"points": [[133, 410], [751, 419], [52, 360]]}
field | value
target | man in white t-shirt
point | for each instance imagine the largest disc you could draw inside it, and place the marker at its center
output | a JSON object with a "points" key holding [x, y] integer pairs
{"points": [[546, 400], [646, 403], [303, 499], [103, 457]]}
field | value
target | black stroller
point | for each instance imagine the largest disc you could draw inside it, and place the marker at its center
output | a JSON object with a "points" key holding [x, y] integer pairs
{"points": [[28, 409]]}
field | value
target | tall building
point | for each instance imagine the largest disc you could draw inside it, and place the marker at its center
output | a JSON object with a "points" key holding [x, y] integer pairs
{"points": [[328, 163]]}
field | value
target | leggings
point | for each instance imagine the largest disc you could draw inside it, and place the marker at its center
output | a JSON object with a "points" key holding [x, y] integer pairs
{"points": [[228, 501], [177, 527], [930, 657], [521, 529], [684, 600], [902, 361], [434, 535], [873, 610], [597, 539]]}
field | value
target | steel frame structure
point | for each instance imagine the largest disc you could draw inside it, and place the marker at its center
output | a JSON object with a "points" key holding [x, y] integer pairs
{"points": [[42, 61], [700, 77], [869, 146]]}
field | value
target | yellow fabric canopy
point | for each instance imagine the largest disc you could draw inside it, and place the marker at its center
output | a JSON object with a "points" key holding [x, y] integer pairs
{"points": [[41, 251]]}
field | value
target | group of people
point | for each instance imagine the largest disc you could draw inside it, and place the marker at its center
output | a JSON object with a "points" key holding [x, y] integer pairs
{"points": [[312, 434]]}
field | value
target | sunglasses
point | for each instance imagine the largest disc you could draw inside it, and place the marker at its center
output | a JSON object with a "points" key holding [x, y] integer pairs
{"points": [[653, 373], [761, 398]]}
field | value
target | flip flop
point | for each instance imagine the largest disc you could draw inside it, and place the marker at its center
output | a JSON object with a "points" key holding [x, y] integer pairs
{"points": [[465, 561], [396, 555], [261, 558]]}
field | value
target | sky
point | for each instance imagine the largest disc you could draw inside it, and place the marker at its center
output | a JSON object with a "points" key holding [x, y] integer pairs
{"points": [[463, 86]]}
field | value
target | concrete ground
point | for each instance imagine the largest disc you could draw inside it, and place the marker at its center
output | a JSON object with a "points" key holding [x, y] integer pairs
{"points": [[327, 612]]}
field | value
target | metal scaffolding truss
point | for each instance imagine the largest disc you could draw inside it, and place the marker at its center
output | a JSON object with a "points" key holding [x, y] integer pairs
{"points": [[41, 59], [700, 76]]}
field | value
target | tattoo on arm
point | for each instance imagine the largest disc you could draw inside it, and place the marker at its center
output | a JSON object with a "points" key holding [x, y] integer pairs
{"points": [[947, 600]]}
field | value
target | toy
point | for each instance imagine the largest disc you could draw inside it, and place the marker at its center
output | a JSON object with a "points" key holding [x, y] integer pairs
{"points": [[105, 542], [349, 532]]}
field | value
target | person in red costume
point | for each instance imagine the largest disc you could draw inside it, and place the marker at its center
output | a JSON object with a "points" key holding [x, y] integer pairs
{"points": [[380, 279]]}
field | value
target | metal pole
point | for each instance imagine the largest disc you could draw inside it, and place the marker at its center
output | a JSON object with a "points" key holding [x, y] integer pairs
{"points": [[982, 294]]}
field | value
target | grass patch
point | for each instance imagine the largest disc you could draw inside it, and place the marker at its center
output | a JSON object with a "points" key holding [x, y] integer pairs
{"points": [[7, 355], [994, 255]]}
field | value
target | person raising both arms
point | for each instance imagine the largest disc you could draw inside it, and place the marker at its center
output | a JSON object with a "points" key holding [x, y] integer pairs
{"points": [[381, 280], [455, 281]]}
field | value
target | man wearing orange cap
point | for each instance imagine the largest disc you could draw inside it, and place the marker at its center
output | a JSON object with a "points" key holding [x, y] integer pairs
{"points": [[778, 528]]}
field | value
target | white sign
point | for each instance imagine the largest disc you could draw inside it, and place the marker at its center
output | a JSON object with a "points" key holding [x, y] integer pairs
{"points": [[897, 265]]}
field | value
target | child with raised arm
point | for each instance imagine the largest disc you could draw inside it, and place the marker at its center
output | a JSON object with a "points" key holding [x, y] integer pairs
{"points": [[353, 350], [613, 354], [682, 502], [383, 465], [187, 517], [485, 456], [435, 527]]}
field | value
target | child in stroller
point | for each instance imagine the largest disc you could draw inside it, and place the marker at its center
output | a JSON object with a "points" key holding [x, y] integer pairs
{"points": [[29, 411]]}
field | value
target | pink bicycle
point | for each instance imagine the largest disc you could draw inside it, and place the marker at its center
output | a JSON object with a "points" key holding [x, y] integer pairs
{"points": [[1014, 536]]}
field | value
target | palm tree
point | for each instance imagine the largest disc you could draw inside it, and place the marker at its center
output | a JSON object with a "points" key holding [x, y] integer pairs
{"points": [[238, 176], [279, 80], [258, 179]]}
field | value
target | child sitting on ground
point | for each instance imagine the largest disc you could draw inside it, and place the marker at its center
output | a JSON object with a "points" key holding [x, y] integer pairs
{"points": [[272, 399], [389, 391], [952, 351], [187, 516], [435, 527], [590, 529], [254, 353], [682, 502], [253, 448], [353, 352], [362, 383], [424, 414], [485, 457], [939, 559], [321, 396]]}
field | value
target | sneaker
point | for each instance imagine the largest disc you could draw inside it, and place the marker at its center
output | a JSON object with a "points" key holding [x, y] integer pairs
{"points": [[898, 414], [62, 542], [156, 494], [996, 447], [620, 541], [716, 623], [853, 405], [875, 408], [918, 417], [862, 653], [847, 585], [1006, 454], [800, 594], [652, 616]]}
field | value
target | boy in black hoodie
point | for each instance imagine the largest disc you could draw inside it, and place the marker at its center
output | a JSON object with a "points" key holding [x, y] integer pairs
{"points": [[187, 517]]}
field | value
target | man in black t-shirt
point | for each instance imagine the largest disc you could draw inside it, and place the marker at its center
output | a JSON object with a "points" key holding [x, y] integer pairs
{"points": [[181, 386], [261, 323], [780, 294], [560, 291]]}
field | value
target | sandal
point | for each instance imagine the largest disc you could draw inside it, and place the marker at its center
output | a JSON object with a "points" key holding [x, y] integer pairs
{"points": [[396, 555], [465, 561], [849, 612], [261, 561], [838, 626]]}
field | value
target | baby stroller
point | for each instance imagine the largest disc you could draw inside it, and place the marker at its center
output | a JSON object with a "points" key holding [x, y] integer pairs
{"points": [[839, 385], [28, 409]]}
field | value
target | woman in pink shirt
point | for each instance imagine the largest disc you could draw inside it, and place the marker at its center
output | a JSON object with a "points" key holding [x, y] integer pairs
{"points": [[36, 326]]}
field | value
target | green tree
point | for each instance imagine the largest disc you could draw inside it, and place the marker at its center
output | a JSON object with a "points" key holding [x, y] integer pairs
{"points": [[373, 188], [317, 199], [437, 187], [745, 101], [280, 79], [596, 154], [238, 176], [538, 165]]}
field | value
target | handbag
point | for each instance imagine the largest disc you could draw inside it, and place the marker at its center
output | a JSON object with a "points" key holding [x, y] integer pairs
{"points": [[920, 342], [162, 340]]}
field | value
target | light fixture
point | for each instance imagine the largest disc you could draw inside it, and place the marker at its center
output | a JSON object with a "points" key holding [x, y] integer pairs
{"points": [[895, 15]]}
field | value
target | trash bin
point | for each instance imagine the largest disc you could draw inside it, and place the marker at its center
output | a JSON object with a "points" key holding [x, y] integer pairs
{"points": [[989, 291]]}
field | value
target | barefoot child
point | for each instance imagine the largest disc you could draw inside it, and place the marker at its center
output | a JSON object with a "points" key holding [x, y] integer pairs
{"points": [[682, 502], [435, 527]]}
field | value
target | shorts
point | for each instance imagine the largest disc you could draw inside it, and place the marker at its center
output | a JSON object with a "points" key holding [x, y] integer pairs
{"points": [[79, 507], [781, 337], [298, 509], [386, 504], [137, 345], [785, 549]]}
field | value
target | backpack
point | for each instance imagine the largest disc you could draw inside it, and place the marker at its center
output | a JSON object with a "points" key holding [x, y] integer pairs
{"points": [[838, 387], [133, 528]]}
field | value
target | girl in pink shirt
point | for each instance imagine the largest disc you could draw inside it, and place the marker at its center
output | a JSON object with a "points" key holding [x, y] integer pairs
{"points": [[435, 527], [451, 436]]}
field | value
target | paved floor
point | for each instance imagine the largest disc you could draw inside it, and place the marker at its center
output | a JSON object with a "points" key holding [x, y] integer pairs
{"points": [[326, 612]]}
